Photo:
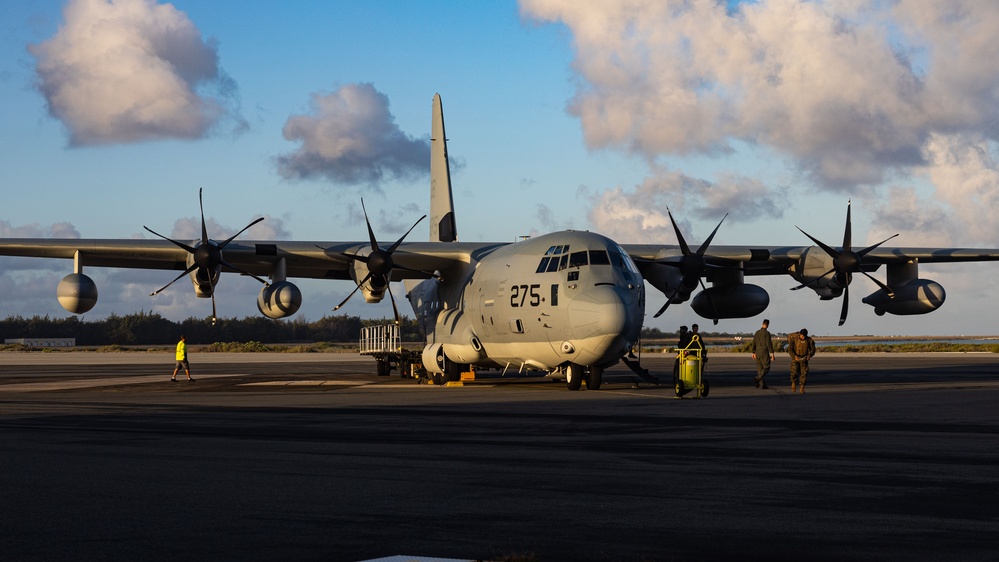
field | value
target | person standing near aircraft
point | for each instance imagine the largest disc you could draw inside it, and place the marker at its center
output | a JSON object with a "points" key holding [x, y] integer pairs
{"points": [[801, 348], [698, 343], [182, 360], [763, 353], [682, 343]]}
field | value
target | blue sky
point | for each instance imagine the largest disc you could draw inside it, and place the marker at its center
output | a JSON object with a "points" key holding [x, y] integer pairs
{"points": [[559, 115]]}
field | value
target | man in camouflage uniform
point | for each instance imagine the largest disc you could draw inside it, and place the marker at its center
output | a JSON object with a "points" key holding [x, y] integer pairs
{"points": [[801, 348], [763, 353]]}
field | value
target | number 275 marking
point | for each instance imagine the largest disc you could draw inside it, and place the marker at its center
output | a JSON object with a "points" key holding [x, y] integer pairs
{"points": [[519, 294]]}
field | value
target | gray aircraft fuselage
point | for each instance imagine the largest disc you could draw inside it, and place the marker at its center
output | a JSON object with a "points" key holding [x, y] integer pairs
{"points": [[565, 297]]}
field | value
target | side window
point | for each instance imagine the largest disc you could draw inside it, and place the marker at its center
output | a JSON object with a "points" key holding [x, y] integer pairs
{"points": [[563, 262], [577, 259]]}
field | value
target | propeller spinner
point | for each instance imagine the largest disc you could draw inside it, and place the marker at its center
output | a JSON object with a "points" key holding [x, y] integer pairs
{"points": [[207, 255]]}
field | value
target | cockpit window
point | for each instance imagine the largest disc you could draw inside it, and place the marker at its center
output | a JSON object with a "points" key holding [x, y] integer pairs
{"points": [[599, 257], [622, 260], [553, 264], [578, 259], [557, 258]]}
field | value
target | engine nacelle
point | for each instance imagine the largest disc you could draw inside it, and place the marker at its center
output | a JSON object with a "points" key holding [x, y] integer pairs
{"points": [[279, 300], [918, 296], [77, 293], [810, 268], [734, 301], [668, 280]]}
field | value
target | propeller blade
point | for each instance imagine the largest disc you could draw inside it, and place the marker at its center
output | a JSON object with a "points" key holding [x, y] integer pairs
{"points": [[707, 296], [869, 249], [679, 237], [665, 306], [357, 288], [813, 281], [204, 228], [189, 249], [832, 253], [704, 246], [848, 234], [403, 237], [186, 271], [214, 317], [887, 289], [395, 310], [244, 272], [846, 305], [224, 244], [371, 233]]}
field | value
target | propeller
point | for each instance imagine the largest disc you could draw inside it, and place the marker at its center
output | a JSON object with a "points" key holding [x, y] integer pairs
{"points": [[846, 262], [207, 255], [380, 264], [692, 264]]}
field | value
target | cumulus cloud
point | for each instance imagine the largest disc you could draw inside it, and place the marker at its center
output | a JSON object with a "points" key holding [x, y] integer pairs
{"points": [[34, 230], [639, 215], [271, 228], [851, 93], [133, 70], [350, 137]]}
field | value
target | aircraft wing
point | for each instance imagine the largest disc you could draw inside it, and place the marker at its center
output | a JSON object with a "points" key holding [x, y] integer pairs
{"points": [[768, 257], [311, 260]]}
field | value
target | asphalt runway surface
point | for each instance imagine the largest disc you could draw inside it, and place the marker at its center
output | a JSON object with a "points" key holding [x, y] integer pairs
{"points": [[313, 457]]}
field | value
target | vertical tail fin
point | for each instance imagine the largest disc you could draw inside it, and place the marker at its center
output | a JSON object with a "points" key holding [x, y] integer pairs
{"points": [[442, 225]]}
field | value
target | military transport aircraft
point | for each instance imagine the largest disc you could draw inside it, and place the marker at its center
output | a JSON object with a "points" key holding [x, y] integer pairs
{"points": [[571, 302]]}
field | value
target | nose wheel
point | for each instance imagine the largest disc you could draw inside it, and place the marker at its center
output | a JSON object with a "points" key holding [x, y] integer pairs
{"points": [[575, 374]]}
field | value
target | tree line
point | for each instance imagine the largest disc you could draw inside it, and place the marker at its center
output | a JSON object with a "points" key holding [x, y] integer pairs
{"points": [[147, 328]]}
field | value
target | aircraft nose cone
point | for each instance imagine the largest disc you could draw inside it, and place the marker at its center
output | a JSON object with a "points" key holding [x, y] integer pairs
{"points": [[598, 311]]}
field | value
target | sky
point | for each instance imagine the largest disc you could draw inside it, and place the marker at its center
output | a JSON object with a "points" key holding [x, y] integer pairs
{"points": [[560, 114]]}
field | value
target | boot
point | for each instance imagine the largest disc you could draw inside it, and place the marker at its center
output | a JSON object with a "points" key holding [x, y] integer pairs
{"points": [[794, 387], [802, 388]]}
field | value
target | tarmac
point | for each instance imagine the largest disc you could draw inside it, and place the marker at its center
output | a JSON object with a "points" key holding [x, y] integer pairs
{"points": [[314, 457]]}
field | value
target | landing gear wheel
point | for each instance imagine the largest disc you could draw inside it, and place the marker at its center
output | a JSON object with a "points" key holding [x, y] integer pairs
{"points": [[438, 378], [594, 378], [573, 376], [452, 372], [678, 387]]}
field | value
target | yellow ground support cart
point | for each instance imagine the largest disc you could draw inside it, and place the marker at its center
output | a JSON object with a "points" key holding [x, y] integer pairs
{"points": [[687, 377]]}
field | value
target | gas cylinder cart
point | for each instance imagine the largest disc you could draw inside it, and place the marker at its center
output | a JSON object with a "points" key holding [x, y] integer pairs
{"points": [[688, 377]]}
